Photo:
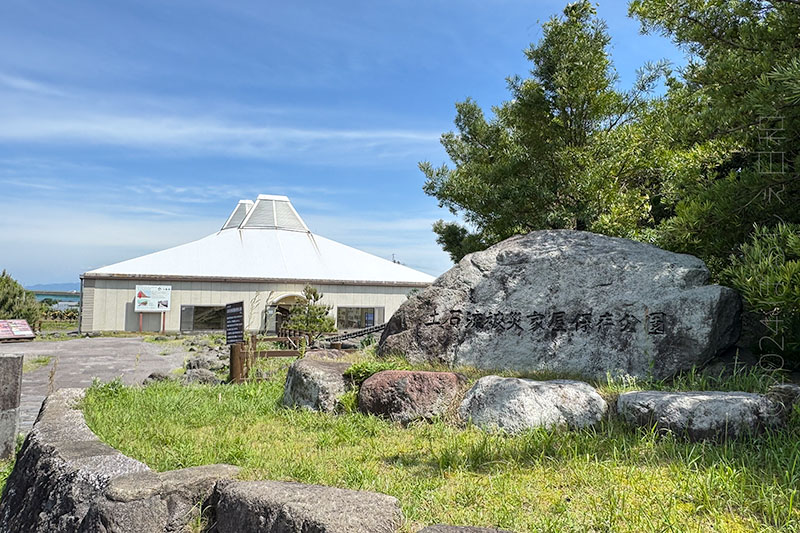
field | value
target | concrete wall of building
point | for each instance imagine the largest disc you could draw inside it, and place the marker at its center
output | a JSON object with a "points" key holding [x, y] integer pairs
{"points": [[108, 303]]}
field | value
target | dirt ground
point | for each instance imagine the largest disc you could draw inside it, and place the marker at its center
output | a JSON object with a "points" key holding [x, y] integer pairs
{"points": [[77, 362]]}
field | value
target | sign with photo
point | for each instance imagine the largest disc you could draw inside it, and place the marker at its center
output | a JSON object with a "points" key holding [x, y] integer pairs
{"points": [[15, 330], [152, 298]]}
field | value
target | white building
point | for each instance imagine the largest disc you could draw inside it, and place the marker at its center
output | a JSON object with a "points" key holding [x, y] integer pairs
{"points": [[264, 255]]}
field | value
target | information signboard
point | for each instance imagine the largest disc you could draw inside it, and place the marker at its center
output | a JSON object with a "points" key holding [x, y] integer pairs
{"points": [[15, 330], [152, 298], [234, 323]]}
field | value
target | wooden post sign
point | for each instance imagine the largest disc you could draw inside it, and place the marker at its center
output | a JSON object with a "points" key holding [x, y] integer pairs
{"points": [[234, 323], [234, 336]]}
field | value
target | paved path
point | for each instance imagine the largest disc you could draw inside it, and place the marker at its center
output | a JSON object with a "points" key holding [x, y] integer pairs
{"points": [[77, 362]]}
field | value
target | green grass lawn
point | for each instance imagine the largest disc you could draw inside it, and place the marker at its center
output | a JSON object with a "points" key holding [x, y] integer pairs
{"points": [[611, 478]]}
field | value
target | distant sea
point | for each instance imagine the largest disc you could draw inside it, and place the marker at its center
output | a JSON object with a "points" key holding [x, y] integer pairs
{"points": [[49, 290]]}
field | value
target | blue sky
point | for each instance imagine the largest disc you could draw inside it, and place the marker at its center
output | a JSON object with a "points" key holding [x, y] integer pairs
{"points": [[130, 127]]}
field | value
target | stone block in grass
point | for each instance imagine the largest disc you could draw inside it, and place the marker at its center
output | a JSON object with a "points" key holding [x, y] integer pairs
{"points": [[314, 384], [514, 405], [408, 395], [706, 415], [279, 506]]}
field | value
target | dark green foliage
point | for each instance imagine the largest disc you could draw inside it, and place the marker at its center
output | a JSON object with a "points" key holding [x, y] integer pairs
{"points": [[564, 152], [17, 303], [767, 273], [457, 240], [310, 316], [729, 128]]}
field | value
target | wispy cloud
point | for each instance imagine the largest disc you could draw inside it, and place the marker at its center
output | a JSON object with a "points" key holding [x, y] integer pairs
{"points": [[164, 133], [27, 85]]}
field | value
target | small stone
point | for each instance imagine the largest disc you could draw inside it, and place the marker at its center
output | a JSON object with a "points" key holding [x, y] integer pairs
{"points": [[514, 405], [200, 376], [157, 377]]}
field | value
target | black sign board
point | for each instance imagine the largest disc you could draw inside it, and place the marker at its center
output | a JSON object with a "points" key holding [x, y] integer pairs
{"points": [[234, 323]]}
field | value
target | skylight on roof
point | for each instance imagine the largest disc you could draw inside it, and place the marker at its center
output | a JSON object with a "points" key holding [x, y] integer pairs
{"points": [[273, 212]]}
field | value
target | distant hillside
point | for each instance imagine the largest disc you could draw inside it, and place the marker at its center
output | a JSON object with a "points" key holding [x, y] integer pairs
{"points": [[58, 287]]}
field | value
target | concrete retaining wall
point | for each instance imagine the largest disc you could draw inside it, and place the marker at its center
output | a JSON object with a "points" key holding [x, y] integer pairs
{"points": [[10, 389]]}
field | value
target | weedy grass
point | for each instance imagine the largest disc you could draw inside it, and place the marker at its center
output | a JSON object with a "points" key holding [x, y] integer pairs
{"points": [[59, 325], [611, 478], [5, 471], [32, 363]]}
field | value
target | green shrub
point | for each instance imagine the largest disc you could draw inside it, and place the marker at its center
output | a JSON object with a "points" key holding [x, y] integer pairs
{"points": [[359, 372], [767, 273], [310, 316], [17, 303], [367, 341]]}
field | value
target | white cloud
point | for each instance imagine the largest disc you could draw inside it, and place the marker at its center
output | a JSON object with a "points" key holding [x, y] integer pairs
{"points": [[29, 86], [168, 133]]}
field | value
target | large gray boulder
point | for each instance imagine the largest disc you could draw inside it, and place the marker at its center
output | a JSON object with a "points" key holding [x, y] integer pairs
{"points": [[570, 302], [407, 395], [514, 405], [282, 507], [315, 384], [708, 415]]}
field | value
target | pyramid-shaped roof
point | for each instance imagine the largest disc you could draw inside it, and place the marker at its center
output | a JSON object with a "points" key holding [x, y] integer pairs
{"points": [[266, 240]]}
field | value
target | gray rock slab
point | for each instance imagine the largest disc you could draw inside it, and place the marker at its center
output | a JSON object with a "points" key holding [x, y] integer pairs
{"points": [[10, 392], [441, 528], [200, 376], [514, 405], [61, 468], [277, 506], [408, 395], [9, 428], [315, 384], [707, 415], [10, 380], [77, 363], [151, 502], [570, 302]]}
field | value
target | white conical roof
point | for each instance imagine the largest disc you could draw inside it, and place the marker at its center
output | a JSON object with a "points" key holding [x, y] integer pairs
{"points": [[270, 242]]}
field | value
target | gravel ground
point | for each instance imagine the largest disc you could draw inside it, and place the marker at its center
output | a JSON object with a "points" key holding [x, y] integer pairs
{"points": [[77, 362]]}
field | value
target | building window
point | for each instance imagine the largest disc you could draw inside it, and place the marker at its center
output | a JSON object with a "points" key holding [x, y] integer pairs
{"points": [[358, 317], [202, 318]]}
